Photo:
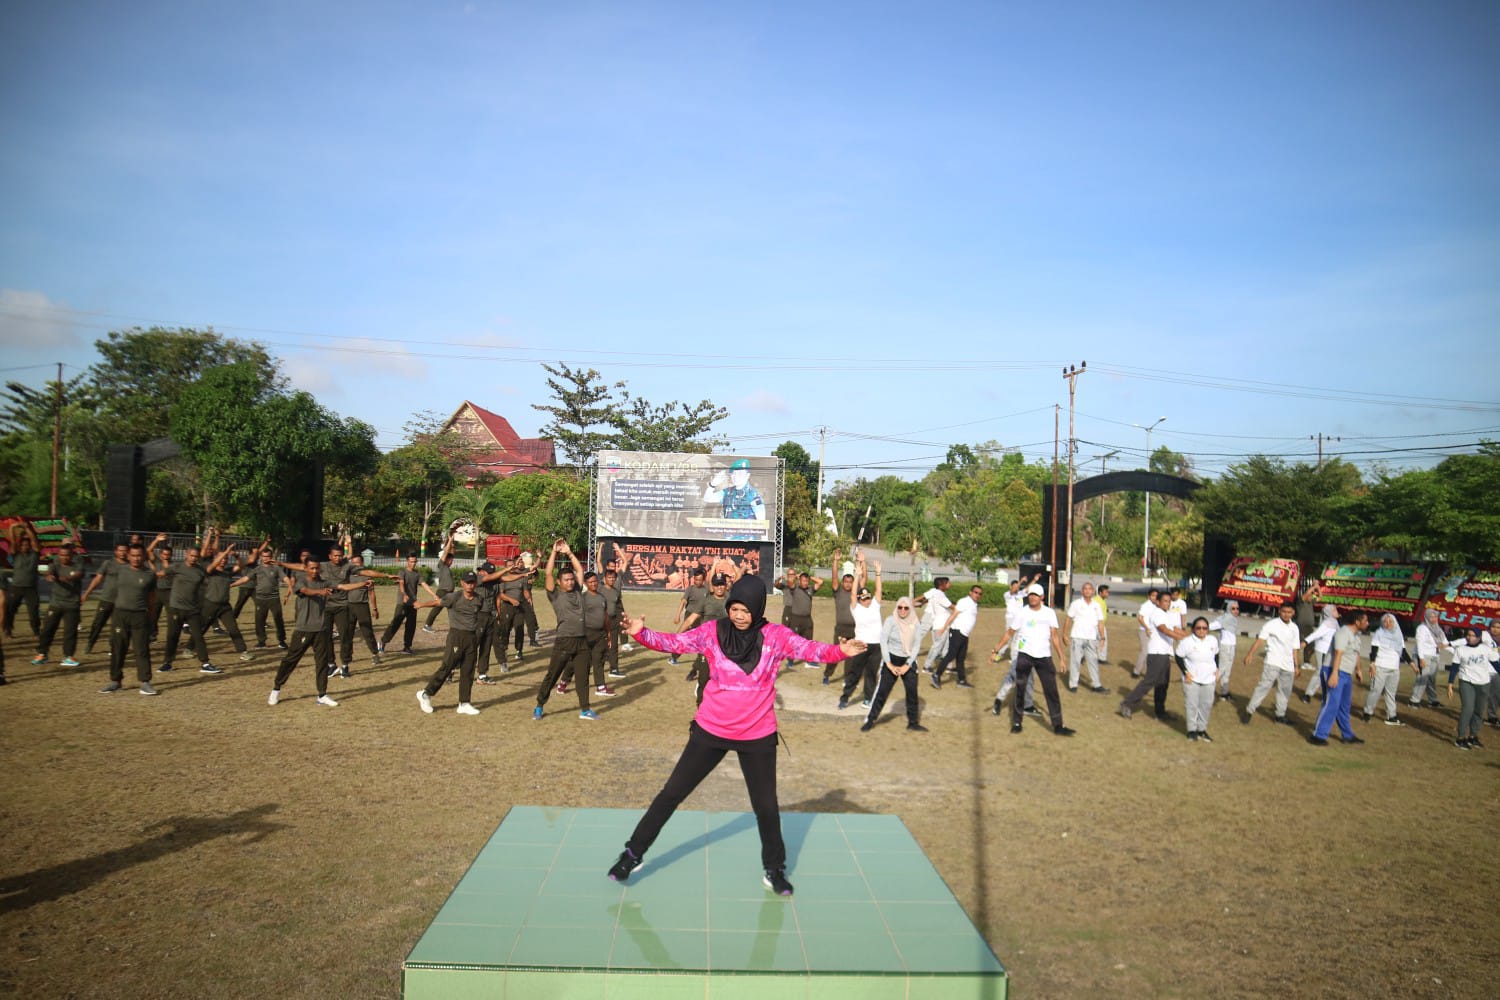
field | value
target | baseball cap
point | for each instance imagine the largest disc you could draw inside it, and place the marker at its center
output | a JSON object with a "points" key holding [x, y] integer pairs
{"points": [[720, 580], [1036, 588], [740, 463], [469, 577], [863, 593], [487, 567]]}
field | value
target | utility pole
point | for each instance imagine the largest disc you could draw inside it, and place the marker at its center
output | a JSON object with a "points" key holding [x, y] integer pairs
{"points": [[56, 438], [1146, 546], [822, 442], [1071, 373], [1052, 555], [1321, 437]]}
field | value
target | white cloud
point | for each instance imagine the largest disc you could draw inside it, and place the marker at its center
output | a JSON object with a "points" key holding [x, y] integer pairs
{"points": [[765, 401], [32, 320]]}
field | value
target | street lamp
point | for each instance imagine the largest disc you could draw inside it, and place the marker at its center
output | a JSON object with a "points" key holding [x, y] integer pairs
{"points": [[1146, 548]]}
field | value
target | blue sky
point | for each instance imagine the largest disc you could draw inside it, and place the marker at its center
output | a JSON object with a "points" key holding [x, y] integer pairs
{"points": [[893, 220]]}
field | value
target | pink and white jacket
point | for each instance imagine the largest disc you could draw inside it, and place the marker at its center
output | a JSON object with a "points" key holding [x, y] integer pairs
{"points": [[737, 705]]}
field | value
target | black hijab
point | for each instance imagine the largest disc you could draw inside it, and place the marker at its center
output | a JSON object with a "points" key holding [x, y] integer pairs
{"points": [[743, 647]]}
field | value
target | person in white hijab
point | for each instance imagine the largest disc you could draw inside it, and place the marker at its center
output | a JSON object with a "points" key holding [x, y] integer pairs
{"points": [[1430, 645], [1386, 649], [1226, 629]]}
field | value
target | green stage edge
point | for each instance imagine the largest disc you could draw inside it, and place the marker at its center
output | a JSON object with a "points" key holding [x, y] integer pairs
{"points": [[535, 917]]}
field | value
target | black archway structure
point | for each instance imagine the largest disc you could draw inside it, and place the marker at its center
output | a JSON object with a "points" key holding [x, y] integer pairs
{"points": [[1216, 553], [125, 490]]}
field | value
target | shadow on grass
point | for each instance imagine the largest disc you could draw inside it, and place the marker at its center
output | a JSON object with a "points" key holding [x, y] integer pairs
{"points": [[178, 833]]}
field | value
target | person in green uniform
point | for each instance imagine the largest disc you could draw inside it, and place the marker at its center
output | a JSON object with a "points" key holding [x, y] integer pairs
{"points": [[409, 584], [360, 611], [509, 604], [135, 595], [265, 585], [23, 587], [528, 612], [797, 597], [184, 583], [247, 591], [713, 610], [66, 577], [596, 632], [690, 605], [461, 647], [104, 583], [340, 574], [569, 647], [444, 582], [223, 575], [843, 610], [614, 611], [308, 631]]}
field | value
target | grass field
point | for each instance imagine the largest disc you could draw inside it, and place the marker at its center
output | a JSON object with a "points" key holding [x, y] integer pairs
{"points": [[203, 843]]}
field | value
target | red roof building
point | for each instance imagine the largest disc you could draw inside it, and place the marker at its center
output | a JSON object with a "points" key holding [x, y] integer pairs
{"points": [[496, 450]]}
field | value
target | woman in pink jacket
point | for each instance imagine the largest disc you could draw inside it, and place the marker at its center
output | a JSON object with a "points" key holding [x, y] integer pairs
{"points": [[738, 713]]}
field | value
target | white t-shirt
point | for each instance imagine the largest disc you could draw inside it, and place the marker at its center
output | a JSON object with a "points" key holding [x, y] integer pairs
{"points": [[1084, 613], [1159, 644], [1201, 655], [1178, 607], [968, 614], [938, 606], [1014, 602], [1427, 646], [1034, 630], [1144, 612], [1473, 662], [1281, 639], [867, 622]]}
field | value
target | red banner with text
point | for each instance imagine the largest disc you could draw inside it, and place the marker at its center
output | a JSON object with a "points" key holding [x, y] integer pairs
{"points": [[1269, 582], [1467, 595], [1374, 587], [645, 564]]}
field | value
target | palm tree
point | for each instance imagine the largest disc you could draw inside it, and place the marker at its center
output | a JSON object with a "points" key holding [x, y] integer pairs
{"points": [[907, 528], [479, 506]]}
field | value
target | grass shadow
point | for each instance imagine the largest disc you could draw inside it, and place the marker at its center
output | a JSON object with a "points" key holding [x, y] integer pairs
{"points": [[177, 833]]}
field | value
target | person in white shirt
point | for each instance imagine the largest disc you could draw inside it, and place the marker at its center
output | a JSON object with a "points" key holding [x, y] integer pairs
{"points": [[1009, 682], [1491, 640], [1141, 615], [1015, 601], [1179, 605], [1035, 632], [867, 627], [1166, 630], [1430, 645], [1320, 640], [1102, 599], [1475, 670], [1227, 630], [935, 612], [1283, 642], [1085, 633], [1386, 648], [959, 626], [1199, 654]]}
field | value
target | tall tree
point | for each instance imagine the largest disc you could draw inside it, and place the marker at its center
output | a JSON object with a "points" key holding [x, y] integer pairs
{"points": [[252, 442], [482, 508], [1268, 508], [582, 411], [640, 426], [798, 461]]}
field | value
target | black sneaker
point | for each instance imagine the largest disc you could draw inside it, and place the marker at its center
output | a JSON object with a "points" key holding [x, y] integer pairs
{"points": [[1192, 737], [867, 727], [627, 863], [1245, 719], [995, 708], [1317, 741], [1474, 743], [1353, 739], [1015, 727], [915, 727], [1204, 737], [775, 880], [486, 679], [1062, 731], [937, 681], [164, 668], [1461, 744], [1165, 716], [1032, 711], [963, 684]]}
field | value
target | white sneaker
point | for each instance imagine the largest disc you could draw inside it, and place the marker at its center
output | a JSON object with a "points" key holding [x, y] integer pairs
{"points": [[327, 702], [466, 709], [425, 701], [275, 697]]}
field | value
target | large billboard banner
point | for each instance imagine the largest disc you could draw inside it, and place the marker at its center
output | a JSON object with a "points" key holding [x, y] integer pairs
{"points": [[1467, 595], [1269, 582], [722, 498], [1374, 587]]}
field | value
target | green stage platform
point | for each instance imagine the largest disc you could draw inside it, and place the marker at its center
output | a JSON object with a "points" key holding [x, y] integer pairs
{"points": [[535, 916]]}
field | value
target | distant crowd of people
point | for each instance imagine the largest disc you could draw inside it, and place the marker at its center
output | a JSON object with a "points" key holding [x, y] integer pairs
{"points": [[202, 589]]}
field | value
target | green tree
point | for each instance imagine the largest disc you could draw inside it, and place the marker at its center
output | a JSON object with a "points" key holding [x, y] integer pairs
{"points": [[798, 461], [987, 517], [1268, 508], [907, 528], [581, 413], [480, 507], [1447, 512], [28, 418], [670, 427], [540, 507], [1179, 544], [255, 445]]}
